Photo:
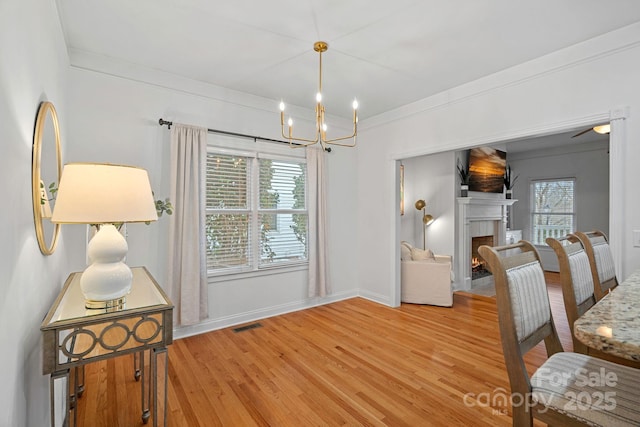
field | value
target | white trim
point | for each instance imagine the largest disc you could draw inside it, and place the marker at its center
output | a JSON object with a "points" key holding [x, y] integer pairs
{"points": [[395, 279], [531, 132], [375, 297], [264, 155], [217, 149], [237, 145], [255, 315], [617, 153]]}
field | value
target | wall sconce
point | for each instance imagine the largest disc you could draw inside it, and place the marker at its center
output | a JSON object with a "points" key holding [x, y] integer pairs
{"points": [[427, 219]]}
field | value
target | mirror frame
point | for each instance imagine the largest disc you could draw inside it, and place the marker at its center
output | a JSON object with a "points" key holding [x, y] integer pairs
{"points": [[46, 110]]}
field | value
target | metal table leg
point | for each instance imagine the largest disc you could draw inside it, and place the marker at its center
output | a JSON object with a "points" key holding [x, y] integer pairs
{"points": [[145, 383], [68, 417], [160, 363], [136, 365], [80, 381]]}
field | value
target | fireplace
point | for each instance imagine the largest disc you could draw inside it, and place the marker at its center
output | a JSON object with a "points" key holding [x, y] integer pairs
{"points": [[478, 264], [480, 221]]}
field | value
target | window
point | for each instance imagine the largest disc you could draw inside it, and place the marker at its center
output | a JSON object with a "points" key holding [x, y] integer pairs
{"points": [[553, 209], [256, 212]]}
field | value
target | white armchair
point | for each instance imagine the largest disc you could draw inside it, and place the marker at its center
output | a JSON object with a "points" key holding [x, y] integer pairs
{"points": [[425, 277]]}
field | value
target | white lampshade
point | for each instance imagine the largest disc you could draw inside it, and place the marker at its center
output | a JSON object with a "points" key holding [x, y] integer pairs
{"points": [[104, 195], [99, 193]]}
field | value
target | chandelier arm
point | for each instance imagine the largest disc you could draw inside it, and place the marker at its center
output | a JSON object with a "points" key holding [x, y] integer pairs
{"points": [[308, 144], [353, 135], [342, 138], [335, 141], [293, 138], [308, 141]]}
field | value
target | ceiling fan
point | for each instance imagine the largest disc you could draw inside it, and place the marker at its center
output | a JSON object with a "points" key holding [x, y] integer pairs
{"points": [[601, 129]]}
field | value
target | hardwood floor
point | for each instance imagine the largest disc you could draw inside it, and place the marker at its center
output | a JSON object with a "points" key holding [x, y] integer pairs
{"points": [[353, 362]]}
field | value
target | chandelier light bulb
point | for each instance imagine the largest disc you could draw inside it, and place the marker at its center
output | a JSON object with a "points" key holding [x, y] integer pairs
{"points": [[290, 122], [324, 127], [355, 104], [281, 105], [318, 97]]}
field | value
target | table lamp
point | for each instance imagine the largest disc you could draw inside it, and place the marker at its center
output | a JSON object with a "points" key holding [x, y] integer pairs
{"points": [[106, 196]]}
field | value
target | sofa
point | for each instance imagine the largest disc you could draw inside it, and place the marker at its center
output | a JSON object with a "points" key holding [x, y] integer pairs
{"points": [[426, 278]]}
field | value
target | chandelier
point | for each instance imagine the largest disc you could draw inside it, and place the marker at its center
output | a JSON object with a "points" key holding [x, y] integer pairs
{"points": [[321, 125]]}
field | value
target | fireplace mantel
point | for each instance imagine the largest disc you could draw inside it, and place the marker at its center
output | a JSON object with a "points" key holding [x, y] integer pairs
{"points": [[471, 209], [485, 201]]}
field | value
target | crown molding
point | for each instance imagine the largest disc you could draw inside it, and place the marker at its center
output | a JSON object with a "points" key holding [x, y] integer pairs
{"points": [[595, 49]]}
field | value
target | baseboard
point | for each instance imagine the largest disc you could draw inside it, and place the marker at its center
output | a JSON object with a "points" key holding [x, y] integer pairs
{"points": [[252, 316], [375, 297]]}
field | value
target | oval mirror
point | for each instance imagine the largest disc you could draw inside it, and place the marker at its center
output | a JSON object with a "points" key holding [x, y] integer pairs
{"points": [[46, 171]]}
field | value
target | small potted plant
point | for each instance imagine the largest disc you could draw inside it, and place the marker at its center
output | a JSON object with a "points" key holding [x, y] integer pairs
{"points": [[509, 181], [463, 172]]}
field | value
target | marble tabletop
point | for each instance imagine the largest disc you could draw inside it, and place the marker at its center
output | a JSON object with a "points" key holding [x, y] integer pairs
{"points": [[613, 324]]}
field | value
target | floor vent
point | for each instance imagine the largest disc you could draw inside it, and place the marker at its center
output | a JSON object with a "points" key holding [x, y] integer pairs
{"points": [[247, 327]]}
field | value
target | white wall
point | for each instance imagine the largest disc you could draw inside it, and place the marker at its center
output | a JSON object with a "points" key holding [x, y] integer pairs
{"points": [[33, 67], [588, 164], [114, 119], [553, 93], [430, 178]]}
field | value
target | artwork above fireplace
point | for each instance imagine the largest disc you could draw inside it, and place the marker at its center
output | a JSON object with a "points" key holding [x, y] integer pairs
{"points": [[486, 169]]}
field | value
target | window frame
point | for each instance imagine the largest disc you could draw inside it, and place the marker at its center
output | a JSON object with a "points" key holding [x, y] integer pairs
{"points": [[255, 267], [532, 205]]}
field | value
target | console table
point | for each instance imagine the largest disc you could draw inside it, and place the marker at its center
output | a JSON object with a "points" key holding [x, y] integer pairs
{"points": [[74, 336]]}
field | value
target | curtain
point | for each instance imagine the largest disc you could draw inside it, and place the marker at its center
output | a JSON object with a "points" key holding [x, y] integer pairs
{"points": [[318, 267], [187, 257]]}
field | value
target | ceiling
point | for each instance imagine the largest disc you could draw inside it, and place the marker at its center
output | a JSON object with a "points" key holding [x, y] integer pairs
{"points": [[547, 142], [385, 53]]}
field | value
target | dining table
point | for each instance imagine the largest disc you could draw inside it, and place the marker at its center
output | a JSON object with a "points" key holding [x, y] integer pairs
{"points": [[612, 325]]}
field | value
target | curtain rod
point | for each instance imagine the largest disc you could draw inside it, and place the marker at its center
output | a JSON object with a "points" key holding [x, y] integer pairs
{"points": [[163, 122]]}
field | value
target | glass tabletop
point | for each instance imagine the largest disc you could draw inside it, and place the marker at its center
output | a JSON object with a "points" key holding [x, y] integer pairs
{"points": [[144, 293]]}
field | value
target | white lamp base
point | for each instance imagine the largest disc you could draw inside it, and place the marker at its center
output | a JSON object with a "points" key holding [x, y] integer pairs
{"points": [[107, 278]]}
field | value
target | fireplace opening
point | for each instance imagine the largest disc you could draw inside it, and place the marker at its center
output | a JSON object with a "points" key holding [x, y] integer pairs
{"points": [[478, 264]]}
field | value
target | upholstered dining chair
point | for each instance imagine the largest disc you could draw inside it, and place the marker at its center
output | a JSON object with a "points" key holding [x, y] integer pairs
{"points": [[603, 270], [555, 393], [578, 289], [576, 281]]}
